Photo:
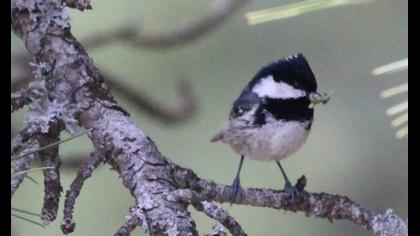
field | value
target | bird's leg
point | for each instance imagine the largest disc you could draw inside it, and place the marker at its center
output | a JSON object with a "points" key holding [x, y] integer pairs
{"points": [[236, 185], [288, 188]]}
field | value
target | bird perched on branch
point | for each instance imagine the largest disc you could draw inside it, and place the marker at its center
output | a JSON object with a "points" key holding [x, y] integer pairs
{"points": [[273, 115]]}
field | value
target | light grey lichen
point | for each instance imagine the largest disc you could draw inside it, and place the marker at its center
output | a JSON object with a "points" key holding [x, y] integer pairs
{"points": [[44, 12], [41, 70], [23, 164], [217, 230], [389, 224], [23, 4], [317, 208], [38, 88], [42, 112], [138, 212], [79, 4]]}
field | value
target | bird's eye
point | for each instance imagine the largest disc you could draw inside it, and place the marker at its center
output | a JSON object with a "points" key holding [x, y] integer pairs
{"points": [[237, 111]]}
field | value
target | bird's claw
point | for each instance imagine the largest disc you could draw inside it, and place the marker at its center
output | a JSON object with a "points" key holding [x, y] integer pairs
{"points": [[291, 191]]}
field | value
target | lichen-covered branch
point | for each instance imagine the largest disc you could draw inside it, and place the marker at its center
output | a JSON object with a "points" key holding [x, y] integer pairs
{"points": [[322, 205], [79, 4], [39, 132], [46, 33], [221, 215], [22, 165], [18, 100], [25, 96], [209, 208], [134, 219], [52, 185], [217, 230]]}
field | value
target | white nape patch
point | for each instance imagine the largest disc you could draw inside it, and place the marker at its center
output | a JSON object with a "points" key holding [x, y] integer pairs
{"points": [[267, 87], [290, 57]]}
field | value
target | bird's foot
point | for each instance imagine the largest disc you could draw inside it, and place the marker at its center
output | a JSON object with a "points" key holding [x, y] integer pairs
{"points": [[236, 188], [291, 191]]}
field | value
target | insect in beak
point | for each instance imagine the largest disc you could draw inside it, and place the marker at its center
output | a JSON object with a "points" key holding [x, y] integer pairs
{"points": [[317, 98]]}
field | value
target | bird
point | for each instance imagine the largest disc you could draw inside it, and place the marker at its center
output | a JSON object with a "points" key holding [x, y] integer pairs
{"points": [[273, 115]]}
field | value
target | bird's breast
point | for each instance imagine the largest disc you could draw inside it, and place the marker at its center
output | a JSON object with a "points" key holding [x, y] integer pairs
{"points": [[273, 141]]}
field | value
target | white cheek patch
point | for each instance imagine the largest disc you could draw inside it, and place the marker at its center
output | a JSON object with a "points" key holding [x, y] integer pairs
{"points": [[267, 87]]}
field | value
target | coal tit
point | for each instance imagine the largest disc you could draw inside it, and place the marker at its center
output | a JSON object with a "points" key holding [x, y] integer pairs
{"points": [[273, 115]]}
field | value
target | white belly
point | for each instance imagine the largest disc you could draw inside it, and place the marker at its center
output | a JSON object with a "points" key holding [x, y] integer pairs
{"points": [[273, 141]]}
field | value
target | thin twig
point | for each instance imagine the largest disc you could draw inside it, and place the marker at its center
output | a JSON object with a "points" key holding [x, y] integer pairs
{"points": [[52, 185], [218, 12], [24, 96], [134, 219], [67, 225], [167, 115], [22, 164], [221, 215], [217, 230]]}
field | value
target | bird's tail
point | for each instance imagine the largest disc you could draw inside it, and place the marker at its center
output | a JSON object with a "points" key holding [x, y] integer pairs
{"points": [[217, 137]]}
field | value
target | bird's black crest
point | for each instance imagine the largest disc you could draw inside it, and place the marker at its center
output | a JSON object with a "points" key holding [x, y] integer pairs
{"points": [[293, 70]]}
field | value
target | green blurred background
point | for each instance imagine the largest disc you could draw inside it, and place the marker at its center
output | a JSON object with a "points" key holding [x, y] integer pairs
{"points": [[352, 150]]}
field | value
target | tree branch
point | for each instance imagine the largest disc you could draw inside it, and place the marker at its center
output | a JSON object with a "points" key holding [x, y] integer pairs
{"points": [[40, 132], [134, 219], [217, 230], [127, 148], [209, 208], [23, 97], [322, 205], [53, 189], [221, 215]]}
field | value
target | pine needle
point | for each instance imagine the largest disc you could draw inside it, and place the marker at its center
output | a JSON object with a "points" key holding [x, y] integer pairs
{"points": [[32, 179], [28, 220], [25, 212], [402, 132], [400, 120], [397, 108], [51, 145], [395, 90], [33, 169], [391, 67], [295, 9]]}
